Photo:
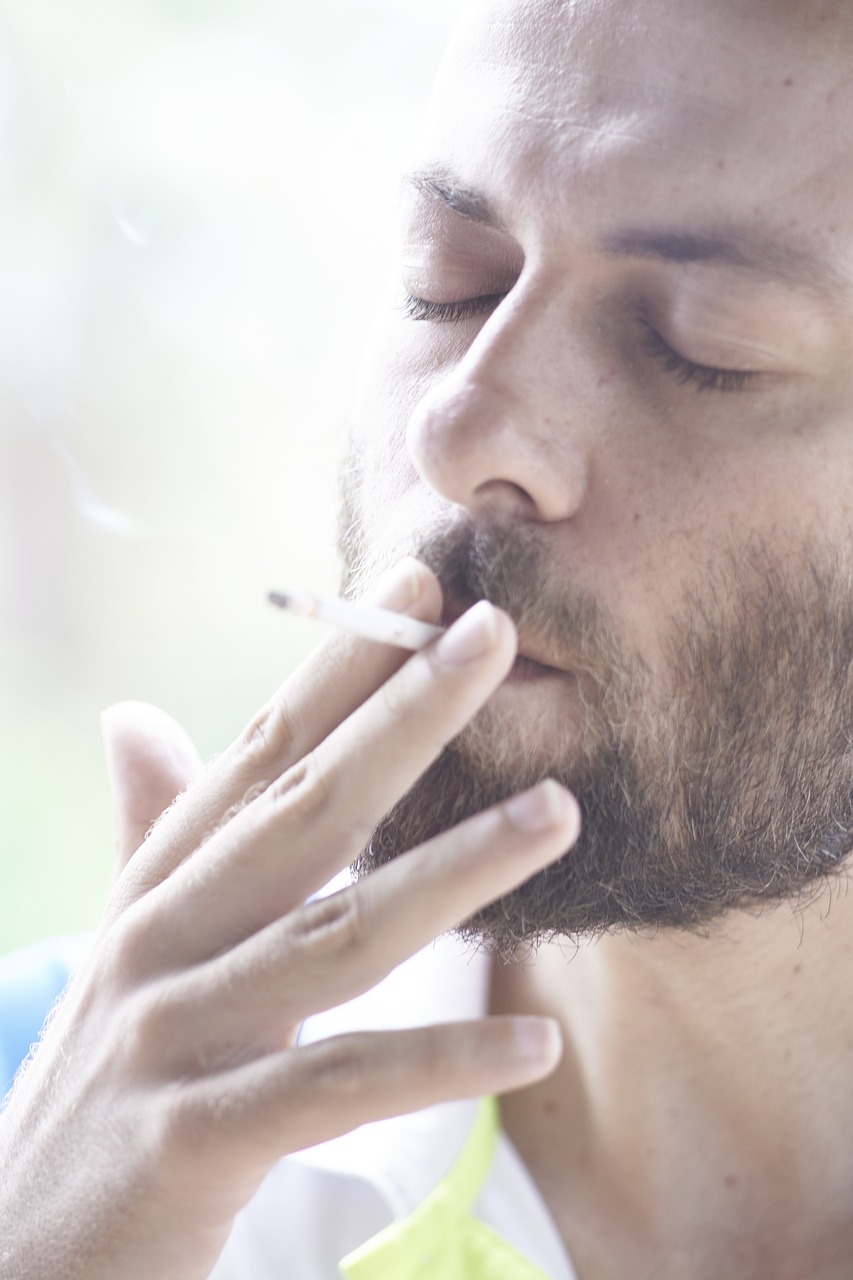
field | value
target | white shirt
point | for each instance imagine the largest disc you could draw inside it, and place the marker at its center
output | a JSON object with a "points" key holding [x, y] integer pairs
{"points": [[318, 1205]]}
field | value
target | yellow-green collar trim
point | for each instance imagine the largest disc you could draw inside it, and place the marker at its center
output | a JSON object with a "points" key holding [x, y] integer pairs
{"points": [[441, 1239]]}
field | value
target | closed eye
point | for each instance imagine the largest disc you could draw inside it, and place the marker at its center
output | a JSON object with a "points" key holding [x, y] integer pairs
{"points": [[701, 377], [686, 372], [450, 312]]}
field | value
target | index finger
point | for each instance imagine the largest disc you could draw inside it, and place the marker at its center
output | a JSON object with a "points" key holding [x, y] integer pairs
{"points": [[321, 694]]}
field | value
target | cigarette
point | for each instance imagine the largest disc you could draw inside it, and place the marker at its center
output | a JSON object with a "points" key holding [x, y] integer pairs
{"points": [[382, 625]]}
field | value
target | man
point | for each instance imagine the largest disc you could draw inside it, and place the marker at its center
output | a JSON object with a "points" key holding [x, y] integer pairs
{"points": [[613, 398]]}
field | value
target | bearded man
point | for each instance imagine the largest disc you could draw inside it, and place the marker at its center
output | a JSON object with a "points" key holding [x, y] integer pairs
{"points": [[605, 438]]}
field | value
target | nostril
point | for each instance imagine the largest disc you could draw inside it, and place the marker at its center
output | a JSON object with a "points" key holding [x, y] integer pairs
{"points": [[481, 445], [505, 497]]}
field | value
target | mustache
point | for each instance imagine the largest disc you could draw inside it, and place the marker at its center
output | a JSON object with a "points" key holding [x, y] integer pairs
{"points": [[510, 566], [501, 564]]}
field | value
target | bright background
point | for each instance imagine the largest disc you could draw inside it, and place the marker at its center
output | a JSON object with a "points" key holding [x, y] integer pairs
{"points": [[197, 219]]}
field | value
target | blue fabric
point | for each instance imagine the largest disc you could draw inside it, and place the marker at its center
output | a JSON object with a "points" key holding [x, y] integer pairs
{"points": [[31, 981]]}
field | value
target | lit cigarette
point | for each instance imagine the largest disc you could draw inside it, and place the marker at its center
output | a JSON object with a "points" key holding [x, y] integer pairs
{"points": [[382, 625]]}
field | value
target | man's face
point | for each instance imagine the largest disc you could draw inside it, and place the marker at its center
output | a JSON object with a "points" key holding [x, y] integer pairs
{"points": [[615, 394]]}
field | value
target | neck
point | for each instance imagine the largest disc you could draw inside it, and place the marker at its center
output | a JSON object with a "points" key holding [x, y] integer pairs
{"points": [[699, 1123]]}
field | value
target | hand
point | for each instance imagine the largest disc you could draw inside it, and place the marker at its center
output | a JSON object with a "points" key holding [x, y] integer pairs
{"points": [[169, 1081]]}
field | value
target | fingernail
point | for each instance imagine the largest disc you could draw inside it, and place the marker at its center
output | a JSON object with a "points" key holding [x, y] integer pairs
{"points": [[545, 806], [399, 588], [469, 638], [537, 1040]]}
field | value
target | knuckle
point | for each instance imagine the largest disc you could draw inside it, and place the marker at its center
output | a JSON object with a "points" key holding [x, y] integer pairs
{"points": [[306, 789], [269, 737], [129, 951], [187, 1126], [250, 795], [396, 697], [340, 1069], [146, 1030], [433, 1058], [334, 928]]}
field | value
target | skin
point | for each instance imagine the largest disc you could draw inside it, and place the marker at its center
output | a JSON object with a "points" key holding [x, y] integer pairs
{"points": [[698, 1123], [169, 1081]]}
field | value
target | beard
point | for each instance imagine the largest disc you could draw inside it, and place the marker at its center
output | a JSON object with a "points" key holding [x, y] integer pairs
{"points": [[727, 783]]}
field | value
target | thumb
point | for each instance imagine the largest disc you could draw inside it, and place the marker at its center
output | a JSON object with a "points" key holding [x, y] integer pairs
{"points": [[150, 759]]}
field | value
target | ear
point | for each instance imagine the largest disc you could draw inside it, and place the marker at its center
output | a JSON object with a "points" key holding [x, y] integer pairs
{"points": [[150, 760]]}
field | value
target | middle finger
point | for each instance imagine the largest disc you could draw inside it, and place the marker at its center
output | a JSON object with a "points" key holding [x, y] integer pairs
{"points": [[317, 817]]}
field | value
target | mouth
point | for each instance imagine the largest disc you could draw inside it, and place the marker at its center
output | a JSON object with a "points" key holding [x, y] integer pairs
{"points": [[524, 670], [529, 665]]}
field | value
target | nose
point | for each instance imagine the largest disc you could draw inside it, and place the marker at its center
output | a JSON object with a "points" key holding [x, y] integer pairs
{"points": [[501, 433]]}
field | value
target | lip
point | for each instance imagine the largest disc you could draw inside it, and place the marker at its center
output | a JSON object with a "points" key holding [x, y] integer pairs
{"points": [[530, 663], [525, 669], [453, 609], [528, 653]]}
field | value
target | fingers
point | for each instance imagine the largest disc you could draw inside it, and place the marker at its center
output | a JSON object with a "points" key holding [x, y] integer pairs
{"points": [[343, 672], [337, 947], [150, 759], [331, 950], [336, 678], [317, 817], [299, 1097]]}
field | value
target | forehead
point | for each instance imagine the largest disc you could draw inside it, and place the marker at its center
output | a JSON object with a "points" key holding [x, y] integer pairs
{"points": [[708, 103]]}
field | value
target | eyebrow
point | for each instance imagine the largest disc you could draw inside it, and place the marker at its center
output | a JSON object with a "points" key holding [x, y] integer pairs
{"points": [[749, 249], [727, 246], [440, 184]]}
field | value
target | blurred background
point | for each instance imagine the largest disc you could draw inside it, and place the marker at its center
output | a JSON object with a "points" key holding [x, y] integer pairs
{"points": [[197, 221]]}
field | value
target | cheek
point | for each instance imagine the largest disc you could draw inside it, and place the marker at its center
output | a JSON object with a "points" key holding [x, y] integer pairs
{"points": [[398, 375], [788, 490], [394, 507], [788, 474], [665, 508]]}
